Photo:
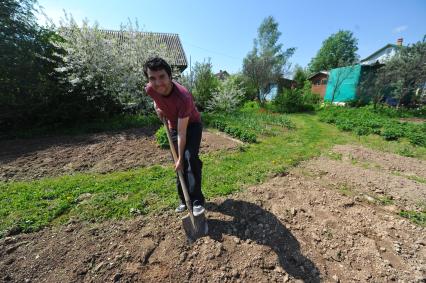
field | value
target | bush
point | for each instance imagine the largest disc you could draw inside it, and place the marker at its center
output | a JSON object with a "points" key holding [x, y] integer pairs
{"points": [[161, 136], [229, 96], [392, 133], [205, 84], [289, 101], [366, 120]]}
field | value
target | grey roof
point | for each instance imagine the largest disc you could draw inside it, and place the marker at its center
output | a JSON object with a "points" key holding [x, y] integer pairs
{"points": [[170, 41], [380, 50]]}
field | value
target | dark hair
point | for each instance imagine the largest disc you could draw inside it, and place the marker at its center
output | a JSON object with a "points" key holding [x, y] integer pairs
{"points": [[157, 64]]}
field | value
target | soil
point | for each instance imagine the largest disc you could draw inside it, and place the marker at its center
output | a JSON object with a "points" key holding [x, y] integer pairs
{"points": [[322, 221], [29, 159], [413, 120]]}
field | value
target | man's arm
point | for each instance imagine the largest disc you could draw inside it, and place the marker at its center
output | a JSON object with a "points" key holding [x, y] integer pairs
{"points": [[159, 112], [181, 129]]}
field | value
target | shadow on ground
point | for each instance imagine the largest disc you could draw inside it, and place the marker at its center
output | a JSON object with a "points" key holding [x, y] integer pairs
{"points": [[246, 218]]}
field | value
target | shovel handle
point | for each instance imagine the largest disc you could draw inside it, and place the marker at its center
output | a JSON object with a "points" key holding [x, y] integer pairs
{"points": [[180, 173]]}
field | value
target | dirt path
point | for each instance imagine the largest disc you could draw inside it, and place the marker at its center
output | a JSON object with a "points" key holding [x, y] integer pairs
{"points": [[302, 227], [36, 158]]}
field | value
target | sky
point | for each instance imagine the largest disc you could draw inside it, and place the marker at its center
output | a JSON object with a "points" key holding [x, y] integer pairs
{"points": [[224, 30]]}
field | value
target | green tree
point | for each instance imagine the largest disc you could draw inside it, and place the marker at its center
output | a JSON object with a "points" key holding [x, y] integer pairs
{"points": [[402, 77], [300, 76], [338, 50], [205, 83], [26, 84], [406, 72], [267, 62]]}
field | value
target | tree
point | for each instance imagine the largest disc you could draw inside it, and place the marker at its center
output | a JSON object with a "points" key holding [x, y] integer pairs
{"points": [[300, 76], [106, 69], [338, 50], [267, 62], [205, 83], [230, 94], [402, 77], [26, 84], [406, 72]]}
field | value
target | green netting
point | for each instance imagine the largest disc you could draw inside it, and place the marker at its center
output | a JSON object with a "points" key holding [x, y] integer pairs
{"points": [[342, 84]]}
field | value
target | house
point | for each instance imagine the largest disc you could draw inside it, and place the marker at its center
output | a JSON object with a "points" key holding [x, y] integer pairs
{"points": [[383, 54], [222, 75], [276, 88], [343, 83], [319, 82], [169, 41]]}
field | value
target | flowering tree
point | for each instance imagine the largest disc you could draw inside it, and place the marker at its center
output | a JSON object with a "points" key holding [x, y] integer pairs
{"points": [[107, 67], [229, 96]]}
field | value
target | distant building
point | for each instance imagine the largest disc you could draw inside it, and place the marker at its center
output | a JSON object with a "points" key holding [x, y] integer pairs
{"points": [[222, 75], [319, 82], [276, 88], [383, 54]]}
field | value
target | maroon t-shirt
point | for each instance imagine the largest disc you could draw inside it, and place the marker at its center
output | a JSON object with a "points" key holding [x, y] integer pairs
{"points": [[179, 104]]}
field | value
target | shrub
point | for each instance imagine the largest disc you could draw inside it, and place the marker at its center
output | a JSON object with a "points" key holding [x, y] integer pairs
{"points": [[161, 136], [229, 96], [392, 133], [289, 101], [205, 84]]}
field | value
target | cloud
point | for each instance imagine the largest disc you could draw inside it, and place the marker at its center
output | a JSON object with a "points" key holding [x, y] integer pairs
{"points": [[399, 29]]}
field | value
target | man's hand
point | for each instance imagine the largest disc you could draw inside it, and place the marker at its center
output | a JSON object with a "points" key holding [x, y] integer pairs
{"points": [[179, 165], [160, 114]]}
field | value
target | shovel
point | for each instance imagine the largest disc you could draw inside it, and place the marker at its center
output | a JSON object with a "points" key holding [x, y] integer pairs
{"points": [[194, 226]]}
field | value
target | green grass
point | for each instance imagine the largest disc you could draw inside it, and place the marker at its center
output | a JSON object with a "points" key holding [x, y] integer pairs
{"points": [[29, 206], [415, 216]]}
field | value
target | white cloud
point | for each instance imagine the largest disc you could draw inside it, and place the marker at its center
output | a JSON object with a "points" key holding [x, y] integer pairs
{"points": [[399, 29]]}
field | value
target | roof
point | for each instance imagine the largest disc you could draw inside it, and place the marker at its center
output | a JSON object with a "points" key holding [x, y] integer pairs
{"points": [[318, 73], [380, 50], [222, 75], [170, 41]]}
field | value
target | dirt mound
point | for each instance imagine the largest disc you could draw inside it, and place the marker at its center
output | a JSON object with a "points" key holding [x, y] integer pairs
{"points": [[293, 228], [101, 153]]}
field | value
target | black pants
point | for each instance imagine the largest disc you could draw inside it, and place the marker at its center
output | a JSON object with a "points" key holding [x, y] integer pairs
{"points": [[192, 165]]}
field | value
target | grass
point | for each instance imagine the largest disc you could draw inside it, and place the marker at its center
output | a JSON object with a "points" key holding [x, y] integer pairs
{"points": [[415, 216], [346, 190], [29, 206]]}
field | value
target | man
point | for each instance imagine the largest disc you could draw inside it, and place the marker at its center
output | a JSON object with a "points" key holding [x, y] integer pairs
{"points": [[175, 103]]}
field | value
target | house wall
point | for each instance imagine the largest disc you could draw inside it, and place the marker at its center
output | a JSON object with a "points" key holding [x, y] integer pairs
{"points": [[319, 84], [381, 57]]}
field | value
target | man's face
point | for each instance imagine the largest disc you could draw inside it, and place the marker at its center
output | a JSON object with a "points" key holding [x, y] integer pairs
{"points": [[160, 81]]}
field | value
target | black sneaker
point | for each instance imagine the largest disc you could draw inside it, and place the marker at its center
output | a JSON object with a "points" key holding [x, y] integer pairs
{"points": [[180, 208]]}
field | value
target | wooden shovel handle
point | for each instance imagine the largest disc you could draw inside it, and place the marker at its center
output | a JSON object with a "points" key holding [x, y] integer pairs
{"points": [[180, 173]]}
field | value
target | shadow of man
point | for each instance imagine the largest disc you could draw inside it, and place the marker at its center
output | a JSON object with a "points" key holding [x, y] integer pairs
{"points": [[246, 219]]}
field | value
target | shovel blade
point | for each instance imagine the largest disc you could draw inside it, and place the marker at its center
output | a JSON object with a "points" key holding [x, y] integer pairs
{"points": [[193, 232]]}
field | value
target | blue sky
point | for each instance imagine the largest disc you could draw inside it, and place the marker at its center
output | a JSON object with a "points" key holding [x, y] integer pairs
{"points": [[224, 30]]}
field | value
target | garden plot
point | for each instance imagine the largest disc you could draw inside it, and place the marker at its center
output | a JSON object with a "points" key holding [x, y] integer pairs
{"points": [[309, 225], [101, 153]]}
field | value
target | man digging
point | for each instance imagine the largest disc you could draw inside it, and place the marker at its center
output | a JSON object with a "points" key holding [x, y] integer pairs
{"points": [[175, 103]]}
